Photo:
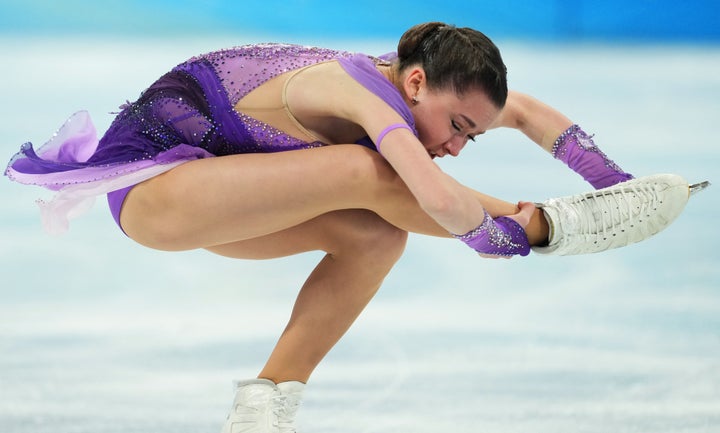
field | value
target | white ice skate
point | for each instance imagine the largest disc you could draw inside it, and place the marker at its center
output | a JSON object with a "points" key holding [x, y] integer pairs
{"points": [[615, 216], [260, 406]]}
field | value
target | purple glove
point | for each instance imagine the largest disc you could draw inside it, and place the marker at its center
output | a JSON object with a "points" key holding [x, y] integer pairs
{"points": [[578, 150], [502, 236]]}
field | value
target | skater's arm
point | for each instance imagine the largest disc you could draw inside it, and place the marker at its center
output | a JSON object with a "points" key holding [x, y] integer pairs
{"points": [[325, 94], [538, 121], [555, 133]]}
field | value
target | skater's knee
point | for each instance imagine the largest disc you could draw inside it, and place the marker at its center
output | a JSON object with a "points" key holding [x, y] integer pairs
{"points": [[384, 242], [370, 238]]}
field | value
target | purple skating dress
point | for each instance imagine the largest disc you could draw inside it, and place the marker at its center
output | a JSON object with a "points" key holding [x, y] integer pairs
{"points": [[186, 115]]}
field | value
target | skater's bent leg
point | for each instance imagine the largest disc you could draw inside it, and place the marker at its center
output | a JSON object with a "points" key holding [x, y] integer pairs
{"points": [[221, 200], [361, 249]]}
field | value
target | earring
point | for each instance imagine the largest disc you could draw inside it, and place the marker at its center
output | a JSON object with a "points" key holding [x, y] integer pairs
{"points": [[415, 100]]}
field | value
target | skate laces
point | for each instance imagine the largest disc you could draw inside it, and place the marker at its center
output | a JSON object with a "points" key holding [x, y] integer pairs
{"points": [[612, 217], [285, 407], [611, 212]]}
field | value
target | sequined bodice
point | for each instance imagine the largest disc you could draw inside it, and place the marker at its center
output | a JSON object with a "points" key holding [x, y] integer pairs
{"points": [[242, 69], [194, 104]]}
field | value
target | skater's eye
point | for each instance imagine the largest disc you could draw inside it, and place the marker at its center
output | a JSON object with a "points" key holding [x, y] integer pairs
{"points": [[458, 128]]}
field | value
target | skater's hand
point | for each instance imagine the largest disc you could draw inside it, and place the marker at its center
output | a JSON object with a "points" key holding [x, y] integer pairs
{"points": [[522, 217], [526, 212]]}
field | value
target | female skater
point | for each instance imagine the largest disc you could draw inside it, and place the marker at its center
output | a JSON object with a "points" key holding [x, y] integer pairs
{"points": [[244, 152]]}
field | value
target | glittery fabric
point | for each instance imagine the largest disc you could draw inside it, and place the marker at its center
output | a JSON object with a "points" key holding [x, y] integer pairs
{"points": [[578, 150], [187, 114], [501, 236]]}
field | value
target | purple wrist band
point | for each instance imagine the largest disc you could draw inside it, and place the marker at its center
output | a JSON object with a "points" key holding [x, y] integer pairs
{"points": [[501, 236], [387, 130], [578, 151]]}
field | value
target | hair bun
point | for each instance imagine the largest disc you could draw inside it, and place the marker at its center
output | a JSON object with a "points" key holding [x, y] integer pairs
{"points": [[414, 37], [457, 59]]}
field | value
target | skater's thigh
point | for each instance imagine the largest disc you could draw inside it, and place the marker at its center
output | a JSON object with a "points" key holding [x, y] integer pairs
{"points": [[220, 200]]}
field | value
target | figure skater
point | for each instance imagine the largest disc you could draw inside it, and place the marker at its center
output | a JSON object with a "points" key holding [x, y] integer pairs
{"points": [[264, 151]]}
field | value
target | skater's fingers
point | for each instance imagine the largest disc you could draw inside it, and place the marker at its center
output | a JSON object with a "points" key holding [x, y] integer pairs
{"points": [[523, 216]]}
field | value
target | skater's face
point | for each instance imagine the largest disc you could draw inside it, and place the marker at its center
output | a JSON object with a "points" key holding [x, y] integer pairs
{"points": [[446, 121]]}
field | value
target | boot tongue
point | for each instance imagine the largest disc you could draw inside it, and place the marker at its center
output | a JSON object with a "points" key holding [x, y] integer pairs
{"points": [[291, 387]]}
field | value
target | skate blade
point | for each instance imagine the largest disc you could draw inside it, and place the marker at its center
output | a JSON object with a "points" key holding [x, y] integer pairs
{"points": [[697, 187]]}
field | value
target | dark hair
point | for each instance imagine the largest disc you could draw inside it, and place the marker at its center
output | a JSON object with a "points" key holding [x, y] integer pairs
{"points": [[455, 58]]}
